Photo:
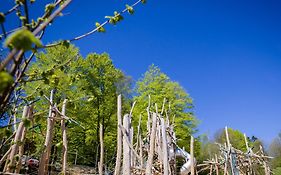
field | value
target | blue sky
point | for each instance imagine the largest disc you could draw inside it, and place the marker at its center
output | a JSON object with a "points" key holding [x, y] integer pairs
{"points": [[226, 54]]}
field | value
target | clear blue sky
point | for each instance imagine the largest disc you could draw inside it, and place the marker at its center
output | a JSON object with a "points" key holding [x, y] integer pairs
{"points": [[226, 54]]}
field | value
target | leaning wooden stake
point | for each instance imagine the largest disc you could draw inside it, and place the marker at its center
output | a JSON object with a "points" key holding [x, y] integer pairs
{"points": [[14, 148], [44, 161], [21, 147], [152, 145], [250, 168], [64, 139], [101, 151], [119, 136], [126, 147], [192, 156]]}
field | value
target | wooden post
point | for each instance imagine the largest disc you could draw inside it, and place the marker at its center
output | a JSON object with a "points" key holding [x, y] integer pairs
{"points": [[217, 167], [266, 170], [76, 155], [230, 150], [44, 160], [192, 155], [21, 147], [164, 147], [64, 139], [152, 145], [101, 151], [119, 136], [126, 147], [14, 148], [250, 168]]}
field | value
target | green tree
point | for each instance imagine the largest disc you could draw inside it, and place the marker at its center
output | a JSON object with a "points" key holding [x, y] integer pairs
{"points": [[158, 86], [275, 151], [91, 85]]}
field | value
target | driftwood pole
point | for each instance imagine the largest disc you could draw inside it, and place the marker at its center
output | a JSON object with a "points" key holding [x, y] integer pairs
{"points": [[21, 147], [119, 136], [152, 145], [64, 139], [44, 161], [217, 167], [126, 147], [192, 156], [250, 168], [230, 151], [101, 151], [164, 147], [14, 148]]}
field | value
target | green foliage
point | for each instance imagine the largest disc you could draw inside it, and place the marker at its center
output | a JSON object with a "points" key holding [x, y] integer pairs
{"points": [[6, 80], [115, 19], [275, 151], [130, 9], [235, 136], [100, 29], [22, 39], [277, 171], [158, 86], [91, 84]]}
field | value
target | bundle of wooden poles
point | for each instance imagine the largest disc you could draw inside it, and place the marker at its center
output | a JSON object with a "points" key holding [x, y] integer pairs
{"points": [[232, 161]]}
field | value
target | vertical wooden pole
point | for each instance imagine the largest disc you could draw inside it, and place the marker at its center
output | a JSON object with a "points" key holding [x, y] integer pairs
{"points": [[14, 148], [266, 170], [217, 167], [44, 161], [64, 139], [101, 150], [164, 147], [21, 147], [230, 150], [126, 147], [119, 136], [76, 155], [192, 155], [250, 168], [151, 145]]}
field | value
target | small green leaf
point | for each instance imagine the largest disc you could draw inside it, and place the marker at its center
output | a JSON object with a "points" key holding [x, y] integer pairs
{"points": [[130, 9], [22, 39], [143, 1], [100, 29], [2, 18], [66, 43], [6, 80], [49, 8]]}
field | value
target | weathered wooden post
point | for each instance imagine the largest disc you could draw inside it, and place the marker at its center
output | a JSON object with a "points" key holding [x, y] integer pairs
{"points": [[14, 148], [126, 147], [164, 147], [230, 151], [192, 155], [64, 138], [152, 145], [119, 136], [101, 151], [44, 160]]}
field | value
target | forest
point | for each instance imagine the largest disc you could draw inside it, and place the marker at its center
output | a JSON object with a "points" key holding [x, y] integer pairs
{"points": [[60, 111]]}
